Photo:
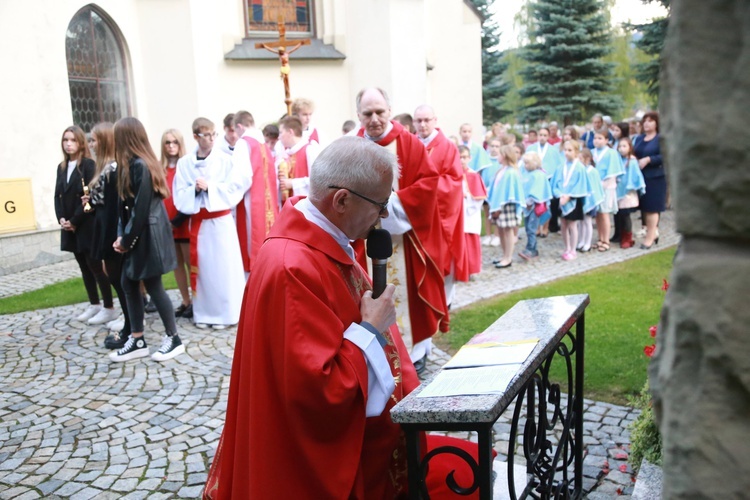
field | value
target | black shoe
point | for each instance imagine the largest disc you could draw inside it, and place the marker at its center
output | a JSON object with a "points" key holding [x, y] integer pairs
{"points": [[188, 312], [180, 311], [171, 346], [503, 266], [421, 364], [116, 340], [150, 307]]}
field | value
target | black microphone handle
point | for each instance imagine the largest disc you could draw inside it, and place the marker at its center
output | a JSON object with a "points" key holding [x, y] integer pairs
{"points": [[379, 276]]}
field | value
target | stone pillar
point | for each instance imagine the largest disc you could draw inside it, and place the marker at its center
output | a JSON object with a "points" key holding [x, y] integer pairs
{"points": [[701, 373]]}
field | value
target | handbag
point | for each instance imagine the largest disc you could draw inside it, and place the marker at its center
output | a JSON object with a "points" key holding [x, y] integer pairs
{"points": [[539, 209]]}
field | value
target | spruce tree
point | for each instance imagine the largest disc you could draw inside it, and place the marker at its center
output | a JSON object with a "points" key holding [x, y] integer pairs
{"points": [[567, 77], [652, 43], [494, 87]]}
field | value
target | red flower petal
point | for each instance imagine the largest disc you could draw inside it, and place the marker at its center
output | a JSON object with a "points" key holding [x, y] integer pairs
{"points": [[623, 468], [649, 350], [652, 331], [621, 456], [664, 284]]}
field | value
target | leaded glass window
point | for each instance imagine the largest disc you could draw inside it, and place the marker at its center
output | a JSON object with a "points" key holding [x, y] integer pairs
{"points": [[97, 72], [262, 16]]}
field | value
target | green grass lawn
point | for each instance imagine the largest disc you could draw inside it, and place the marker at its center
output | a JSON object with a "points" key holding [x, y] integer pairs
{"points": [[626, 299], [60, 294]]}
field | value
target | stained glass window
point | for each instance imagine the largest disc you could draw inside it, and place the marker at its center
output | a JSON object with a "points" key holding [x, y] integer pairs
{"points": [[97, 72], [263, 16]]}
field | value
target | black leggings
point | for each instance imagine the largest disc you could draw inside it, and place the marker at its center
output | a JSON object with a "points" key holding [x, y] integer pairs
{"points": [[158, 296], [93, 273], [623, 222], [114, 271]]}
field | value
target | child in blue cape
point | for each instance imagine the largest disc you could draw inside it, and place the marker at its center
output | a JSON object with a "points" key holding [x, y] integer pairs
{"points": [[538, 192], [571, 185], [609, 167], [506, 200], [591, 203], [491, 234], [629, 186]]}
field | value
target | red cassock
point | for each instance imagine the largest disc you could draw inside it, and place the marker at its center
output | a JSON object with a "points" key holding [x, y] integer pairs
{"points": [[295, 423], [261, 201], [424, 245], [444, 154], [477, 191]]}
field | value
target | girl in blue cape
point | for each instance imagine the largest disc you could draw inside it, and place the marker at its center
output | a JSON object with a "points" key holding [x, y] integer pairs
{"points": [[492, 236], [538, 192], [506, 200], [571, 185], [629, 186], [591, 202], [608, 165]]}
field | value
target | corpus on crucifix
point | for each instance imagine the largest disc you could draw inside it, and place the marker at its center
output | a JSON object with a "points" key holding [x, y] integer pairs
{"points": [[280, 48]]}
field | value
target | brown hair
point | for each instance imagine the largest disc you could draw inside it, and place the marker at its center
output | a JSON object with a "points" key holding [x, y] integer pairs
{"points": [[630, 145], [244, 118], [105, 148], [229, 121], [180, 145], [131, 141], [200, 124], [509, 153], [586, 157], [651, 115], [462, 149], [83, 149], [604, 132], [292, 123]]}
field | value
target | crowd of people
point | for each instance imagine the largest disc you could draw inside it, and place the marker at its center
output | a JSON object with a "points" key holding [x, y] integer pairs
{"points": [[265, 229]]}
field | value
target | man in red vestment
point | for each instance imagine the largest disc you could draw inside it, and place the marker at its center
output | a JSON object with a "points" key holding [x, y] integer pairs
{"points": [[414, 212], [444, 154], [318, 362], [259, 208]]}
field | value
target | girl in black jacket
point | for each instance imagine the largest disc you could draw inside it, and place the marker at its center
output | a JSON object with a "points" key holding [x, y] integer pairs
{"points": [[144, 237], [74, 172]]}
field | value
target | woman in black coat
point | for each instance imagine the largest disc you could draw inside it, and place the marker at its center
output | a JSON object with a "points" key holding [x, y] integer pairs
{"points": [[654, 201], [74, 172], [144, 237]]}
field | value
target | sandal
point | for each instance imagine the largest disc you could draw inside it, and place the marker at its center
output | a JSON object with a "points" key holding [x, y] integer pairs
{"points": [[602, 246]]}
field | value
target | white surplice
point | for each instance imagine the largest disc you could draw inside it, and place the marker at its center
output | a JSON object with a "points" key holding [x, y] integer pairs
{"points": [[221, 278]]}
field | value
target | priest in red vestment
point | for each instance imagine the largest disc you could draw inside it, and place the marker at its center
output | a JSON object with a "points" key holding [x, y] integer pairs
{"points": [[444, 154], [414, 211], [259, 208]]}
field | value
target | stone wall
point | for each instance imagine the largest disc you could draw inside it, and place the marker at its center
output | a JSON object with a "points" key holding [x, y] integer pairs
{"points": [[701, 373], [22, 251]]}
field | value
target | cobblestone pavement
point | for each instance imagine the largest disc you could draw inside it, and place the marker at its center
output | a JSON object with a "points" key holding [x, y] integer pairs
{"points": [[74, 425], [33, 279]]}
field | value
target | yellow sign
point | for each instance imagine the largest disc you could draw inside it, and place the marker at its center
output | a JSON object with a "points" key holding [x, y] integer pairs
{"points": [[16, 206]]}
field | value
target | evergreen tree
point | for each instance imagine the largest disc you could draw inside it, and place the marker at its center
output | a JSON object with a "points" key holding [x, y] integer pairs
{"points": [[494, 87], [567, 77], [652, 43]]}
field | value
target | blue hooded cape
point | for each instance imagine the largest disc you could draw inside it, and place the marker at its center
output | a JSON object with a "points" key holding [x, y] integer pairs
{"points": [[609, 165], [632, 180], [552, 160], [506, 188], [578, 185], [488, 173], [596, 196]]}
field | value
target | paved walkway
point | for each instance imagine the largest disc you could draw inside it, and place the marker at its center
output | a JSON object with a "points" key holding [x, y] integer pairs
{"points": [[73, 425]]}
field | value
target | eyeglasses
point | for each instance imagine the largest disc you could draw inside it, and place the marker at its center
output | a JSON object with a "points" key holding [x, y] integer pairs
{"points": [[169, 143], [212, 135], [383, 206]]}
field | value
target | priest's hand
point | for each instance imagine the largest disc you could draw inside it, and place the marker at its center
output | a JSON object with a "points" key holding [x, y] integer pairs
{"points": [[201, 184], [380, 312]]}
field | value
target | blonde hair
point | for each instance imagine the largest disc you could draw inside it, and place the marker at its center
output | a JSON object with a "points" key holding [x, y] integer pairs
{"points": [[576, 145], [200, 124], [301, 103], [180, 145], [532, 161], [509, 154]]}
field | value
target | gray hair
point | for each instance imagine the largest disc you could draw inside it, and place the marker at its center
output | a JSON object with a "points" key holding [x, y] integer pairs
{"points": [[358, 99], [350, 162]]}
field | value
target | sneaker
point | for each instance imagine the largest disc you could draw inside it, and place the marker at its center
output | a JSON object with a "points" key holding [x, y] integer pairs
{"points": [[495, 241], [89, 313], [134, 348], [202, 326], [486, 240], [188, 313], [525, 255], [181, 310], [116, 340], [641, 232], [219, 327], [150, 307], [170, 347], [116, 324], [103, 316]]}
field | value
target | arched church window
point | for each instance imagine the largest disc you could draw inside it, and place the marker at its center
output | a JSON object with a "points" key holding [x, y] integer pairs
{"points": [[97, 72], [262, 16]]}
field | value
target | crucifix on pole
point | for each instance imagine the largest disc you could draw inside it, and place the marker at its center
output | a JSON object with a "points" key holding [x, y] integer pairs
{"points": [[280, 48]]}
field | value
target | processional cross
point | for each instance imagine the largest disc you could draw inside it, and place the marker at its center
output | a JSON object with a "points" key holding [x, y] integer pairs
{"points": [[280, 48]]}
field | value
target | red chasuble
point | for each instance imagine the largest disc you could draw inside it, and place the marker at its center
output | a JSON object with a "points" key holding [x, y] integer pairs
{"points": [[450, 200], [424, 244], [295, 422], [263, 200]]}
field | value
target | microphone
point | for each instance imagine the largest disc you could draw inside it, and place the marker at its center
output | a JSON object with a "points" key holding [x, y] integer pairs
{"points": [[379, 248]]}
